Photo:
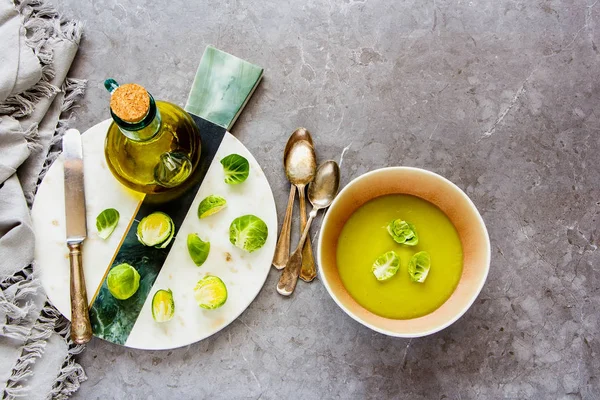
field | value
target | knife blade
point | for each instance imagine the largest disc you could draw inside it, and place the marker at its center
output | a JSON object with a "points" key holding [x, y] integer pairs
{"points": [[81, 329], [74, 192]]}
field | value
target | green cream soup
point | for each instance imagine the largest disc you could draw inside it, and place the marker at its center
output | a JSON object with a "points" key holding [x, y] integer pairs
{"points": [[364, 237]]}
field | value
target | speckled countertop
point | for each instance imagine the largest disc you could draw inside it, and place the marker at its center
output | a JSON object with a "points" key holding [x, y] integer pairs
{"points": [[498, 96]]}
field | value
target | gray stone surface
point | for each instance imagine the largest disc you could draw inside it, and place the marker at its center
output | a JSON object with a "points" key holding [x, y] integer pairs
{"points": [[498, 96]]}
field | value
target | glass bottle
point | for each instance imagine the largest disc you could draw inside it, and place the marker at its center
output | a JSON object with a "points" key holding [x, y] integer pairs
{"points": [[152, 146]]}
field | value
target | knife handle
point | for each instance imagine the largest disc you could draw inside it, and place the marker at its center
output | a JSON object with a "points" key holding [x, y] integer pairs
{"points": [[81, 328]]}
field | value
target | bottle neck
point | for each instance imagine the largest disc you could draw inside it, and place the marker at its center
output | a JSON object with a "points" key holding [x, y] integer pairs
{"points": [[143, 130]]}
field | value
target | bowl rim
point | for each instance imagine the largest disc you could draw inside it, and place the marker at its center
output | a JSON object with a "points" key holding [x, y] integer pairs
{"points": [[461, 193]]}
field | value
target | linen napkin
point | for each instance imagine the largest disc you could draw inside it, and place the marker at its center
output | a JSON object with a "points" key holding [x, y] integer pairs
{"points": [[20, 67], [37, 48]]}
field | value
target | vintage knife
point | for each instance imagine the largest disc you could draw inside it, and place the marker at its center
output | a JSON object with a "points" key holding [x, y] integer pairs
{"points": [[81, 329]]}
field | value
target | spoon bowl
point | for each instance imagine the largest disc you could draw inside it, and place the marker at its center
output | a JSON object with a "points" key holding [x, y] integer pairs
{"points": [[300, 163], [297, 135], [323, 189]]}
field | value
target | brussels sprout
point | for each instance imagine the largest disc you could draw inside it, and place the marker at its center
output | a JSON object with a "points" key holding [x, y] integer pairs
{"points": [[248, 232], [403, 232], [418, 266], [156, 229], [211, 205], [163, 306], [198, 249], [236, 169], [386, 266], [210, 292], [123, 281], [106, 222]]}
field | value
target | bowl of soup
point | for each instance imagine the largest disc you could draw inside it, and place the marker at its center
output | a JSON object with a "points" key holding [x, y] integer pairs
{"points": [[372, 244]]}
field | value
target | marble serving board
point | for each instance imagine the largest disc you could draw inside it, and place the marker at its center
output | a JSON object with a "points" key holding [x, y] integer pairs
{"points": [[130, 323]]}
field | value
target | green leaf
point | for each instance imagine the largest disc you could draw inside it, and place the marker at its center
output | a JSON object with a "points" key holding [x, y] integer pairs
{"points": [[123, 281], [386, 266], [403, 232], [156, 229], [198, 249], [210, 292], [211, 205], [418, 266], [248, 232], [106, 222], [163, 305], [236, 169]]}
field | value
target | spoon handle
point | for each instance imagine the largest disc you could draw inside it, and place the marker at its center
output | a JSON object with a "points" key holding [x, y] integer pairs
{"points": [[282, 250], [308, 271], [289, 276]]}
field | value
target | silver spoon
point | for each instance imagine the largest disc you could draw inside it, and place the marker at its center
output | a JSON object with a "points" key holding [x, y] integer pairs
{"points": [[300, 164], [321, 193]]}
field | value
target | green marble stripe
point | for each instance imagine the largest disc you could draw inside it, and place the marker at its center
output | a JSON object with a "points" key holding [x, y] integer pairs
{"points": [[113, 319], [222, 87]]}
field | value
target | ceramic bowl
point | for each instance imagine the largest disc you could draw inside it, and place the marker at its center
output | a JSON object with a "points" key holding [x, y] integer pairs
{"points": [[446, 196]]}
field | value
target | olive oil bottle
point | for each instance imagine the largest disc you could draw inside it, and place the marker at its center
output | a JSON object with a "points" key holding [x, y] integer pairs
{"points": [[152, 146]]}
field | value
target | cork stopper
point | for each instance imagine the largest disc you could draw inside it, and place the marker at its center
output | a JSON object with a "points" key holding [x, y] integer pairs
{"points": [[130, 102]]}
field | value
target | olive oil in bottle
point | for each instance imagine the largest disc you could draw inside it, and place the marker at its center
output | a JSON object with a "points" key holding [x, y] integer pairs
{"points": [[152, 146]]}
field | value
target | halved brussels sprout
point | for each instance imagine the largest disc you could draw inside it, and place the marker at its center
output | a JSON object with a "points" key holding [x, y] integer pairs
{"points": [[210, 292], [106, 222], [386, 266], [211, 205], [403, 232], [156, 229], [123, 281], [418, 266], [198, 249], [248, 232], [163, 306], [236, 169]]}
